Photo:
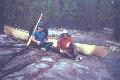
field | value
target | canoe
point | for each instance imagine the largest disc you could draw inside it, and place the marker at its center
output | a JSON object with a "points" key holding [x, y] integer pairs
{"points": [[86, 49], [17, 33]]}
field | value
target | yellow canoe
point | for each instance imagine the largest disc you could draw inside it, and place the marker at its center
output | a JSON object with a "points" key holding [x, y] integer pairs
{"points": [[17, 33], [82, 48], [86, 48]]}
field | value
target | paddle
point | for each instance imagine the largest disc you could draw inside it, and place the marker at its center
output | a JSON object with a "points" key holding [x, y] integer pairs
{"points": [[29, 41]]}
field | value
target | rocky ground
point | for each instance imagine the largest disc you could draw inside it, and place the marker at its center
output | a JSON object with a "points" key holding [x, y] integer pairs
{"points": [[18, 62]]}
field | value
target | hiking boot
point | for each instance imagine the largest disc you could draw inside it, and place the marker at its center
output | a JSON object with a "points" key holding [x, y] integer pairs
{"points": [[78, 59]]}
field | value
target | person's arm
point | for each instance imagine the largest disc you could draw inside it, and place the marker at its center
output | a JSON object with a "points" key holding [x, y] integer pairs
{"points": [[34, 39], [58, 44], [71, 40]]}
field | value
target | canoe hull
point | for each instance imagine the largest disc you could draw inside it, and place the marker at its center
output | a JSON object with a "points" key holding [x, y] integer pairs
{"points": [[81, 48], [17, 33]]}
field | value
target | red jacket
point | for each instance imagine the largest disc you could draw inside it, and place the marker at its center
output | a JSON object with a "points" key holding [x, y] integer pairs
{"points": [[63, 42]]}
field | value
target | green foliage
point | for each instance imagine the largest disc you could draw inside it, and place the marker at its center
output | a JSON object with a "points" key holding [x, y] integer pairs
{"points": [[79, 14]]}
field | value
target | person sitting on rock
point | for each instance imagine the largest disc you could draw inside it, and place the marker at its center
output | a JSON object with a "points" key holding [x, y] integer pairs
{"points": [[66, 46], [39, 39]]}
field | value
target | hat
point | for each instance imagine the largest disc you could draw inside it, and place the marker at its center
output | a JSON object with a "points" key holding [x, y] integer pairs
{"points": [[64, 31]]}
